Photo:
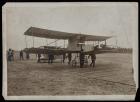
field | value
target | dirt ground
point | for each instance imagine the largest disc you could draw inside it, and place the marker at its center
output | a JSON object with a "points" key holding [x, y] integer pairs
{"points": [[112, 75]]}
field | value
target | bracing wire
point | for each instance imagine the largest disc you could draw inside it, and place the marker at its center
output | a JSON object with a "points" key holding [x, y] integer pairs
{"points": [[53, 42]]}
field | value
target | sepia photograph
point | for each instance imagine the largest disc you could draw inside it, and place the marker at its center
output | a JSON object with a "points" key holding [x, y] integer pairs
{"points": [[70, 51]]}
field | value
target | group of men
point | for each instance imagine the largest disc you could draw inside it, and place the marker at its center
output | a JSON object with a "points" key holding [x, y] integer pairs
{"points": [[50, 58], [22, 57], [82, 58], [10, 55]]}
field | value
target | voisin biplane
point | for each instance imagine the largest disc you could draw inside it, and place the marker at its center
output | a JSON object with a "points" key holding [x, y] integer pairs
{"points": [[76, 42]]}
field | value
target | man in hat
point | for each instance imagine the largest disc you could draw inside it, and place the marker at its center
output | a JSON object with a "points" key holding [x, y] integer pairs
{"points": [[93, 58], [82, 58]]}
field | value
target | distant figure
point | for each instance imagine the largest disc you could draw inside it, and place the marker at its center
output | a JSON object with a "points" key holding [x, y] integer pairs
{"points": [[12, 55], [21, 55], [82, 58], [64, 56], [69, 58], [51, 58], [27, 56], [9, 55], [93, 58], [39, 55]]}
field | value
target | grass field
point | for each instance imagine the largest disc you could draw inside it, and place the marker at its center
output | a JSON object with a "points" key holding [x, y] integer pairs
{"points": [[112, 75]]}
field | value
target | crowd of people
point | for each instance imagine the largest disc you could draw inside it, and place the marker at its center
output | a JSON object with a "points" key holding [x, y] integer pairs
{"points": [[50, 58], [82, 58], [11, 55]]}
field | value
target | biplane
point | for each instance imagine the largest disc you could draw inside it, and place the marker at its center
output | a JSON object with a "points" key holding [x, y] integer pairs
{"points": [[76, 42]]}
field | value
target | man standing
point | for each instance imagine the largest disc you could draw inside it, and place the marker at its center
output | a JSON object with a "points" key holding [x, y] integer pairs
{"points": [[69, 58], [93, 58], [64, 56], [21, 55], [9, 55], [82, 59], [51, 58], [12, 55], [39, 55]]}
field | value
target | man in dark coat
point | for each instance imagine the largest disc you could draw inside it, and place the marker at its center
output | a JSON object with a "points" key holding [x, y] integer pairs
{"points": [[69, 58], [50, 57], [82, 58], [64, 56], [9, 54], [93, 58], [21, 55], [39, 55], [12, 55]]}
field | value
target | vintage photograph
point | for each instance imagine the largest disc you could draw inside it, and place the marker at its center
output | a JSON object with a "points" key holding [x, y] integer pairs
{"points": [[71, 50]]}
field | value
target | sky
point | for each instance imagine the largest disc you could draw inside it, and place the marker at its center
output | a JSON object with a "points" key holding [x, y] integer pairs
{"points": [[104, 19]]}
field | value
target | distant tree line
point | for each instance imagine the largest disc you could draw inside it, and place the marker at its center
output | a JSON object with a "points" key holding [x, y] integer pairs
{"points": [[123, 50]]}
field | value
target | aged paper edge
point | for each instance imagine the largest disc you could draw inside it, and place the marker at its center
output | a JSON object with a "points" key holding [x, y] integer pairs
{"points": [[80, 97]]}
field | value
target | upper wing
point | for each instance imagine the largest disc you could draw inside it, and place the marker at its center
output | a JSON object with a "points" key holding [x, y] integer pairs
{"points": [[96, 38], [45, 33]]}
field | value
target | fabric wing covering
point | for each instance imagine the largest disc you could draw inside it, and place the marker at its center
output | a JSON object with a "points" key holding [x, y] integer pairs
{"points": [[52, 34]]}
